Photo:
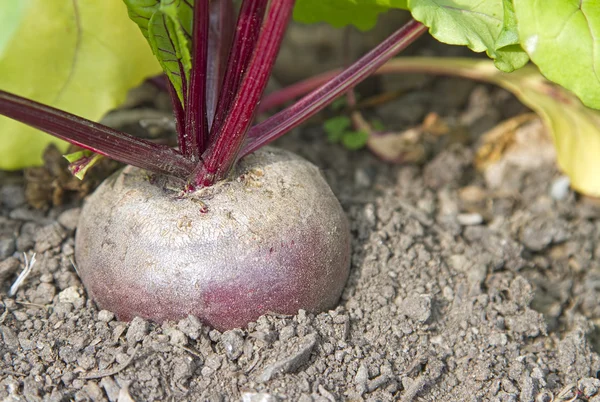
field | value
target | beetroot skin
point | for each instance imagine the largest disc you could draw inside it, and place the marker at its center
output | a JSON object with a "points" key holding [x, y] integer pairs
{"points": [[274, 239]]}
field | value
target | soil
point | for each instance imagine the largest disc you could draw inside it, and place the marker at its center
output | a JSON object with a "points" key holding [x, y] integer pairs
{"points": [[467, 284]]}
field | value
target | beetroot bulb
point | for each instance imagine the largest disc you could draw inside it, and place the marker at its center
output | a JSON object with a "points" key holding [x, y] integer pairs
{"points": [[272, 239]]}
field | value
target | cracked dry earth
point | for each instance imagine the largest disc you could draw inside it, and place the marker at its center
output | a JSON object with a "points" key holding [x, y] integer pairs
{"points": [[466, 285]]}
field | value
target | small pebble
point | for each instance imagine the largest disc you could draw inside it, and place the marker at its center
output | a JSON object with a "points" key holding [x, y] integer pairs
{"points": [[12, 196], [559, 189], [138, 329], [190, 326], [69, 218], [105, 315], [8, 268], [7, 246], [69, 295], [469, 219], [233, 343], [416, 307]]}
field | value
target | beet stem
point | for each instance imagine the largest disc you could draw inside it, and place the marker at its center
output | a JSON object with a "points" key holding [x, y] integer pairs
{"points": [[196, 125], [223, 152], [179, 115], [220, 36], [291, 117], [294, 91], [95, 137], [247, 30]]}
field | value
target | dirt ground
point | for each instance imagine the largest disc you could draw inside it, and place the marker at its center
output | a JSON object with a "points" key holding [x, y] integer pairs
{"points": [[466, 284]]}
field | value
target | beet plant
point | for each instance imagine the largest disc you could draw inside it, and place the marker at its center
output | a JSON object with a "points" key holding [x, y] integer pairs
{"points": [[222, 227]]}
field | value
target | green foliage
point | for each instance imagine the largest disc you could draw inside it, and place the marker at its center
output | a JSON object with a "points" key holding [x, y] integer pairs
{"points": [[336, 127], [81, 57], [559, 36], [339, 13], [338, 130], [81, 161], [167, 25], [483, 26], [562, 37]]}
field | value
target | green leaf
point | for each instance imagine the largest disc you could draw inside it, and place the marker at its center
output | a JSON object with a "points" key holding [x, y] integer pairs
{"points": [[377, 125], [339, 13], [480, 25], [336, 127], [508, 46], [562, 39], [80, 162], [167, 25], [79, 56], [575, 129], [354, 140]]}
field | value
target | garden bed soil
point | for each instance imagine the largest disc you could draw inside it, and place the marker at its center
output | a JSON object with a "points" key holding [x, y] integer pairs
{"points": [[466, 284]]}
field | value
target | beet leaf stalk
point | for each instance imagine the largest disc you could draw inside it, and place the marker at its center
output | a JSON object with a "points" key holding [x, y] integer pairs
{"points": [[95, 137], [287, 119], [196, 117], [246, 35], [222, 153], [220, 37]]}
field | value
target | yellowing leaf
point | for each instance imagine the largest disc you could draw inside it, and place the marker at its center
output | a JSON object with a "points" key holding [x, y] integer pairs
{"points": [[77, 55]]}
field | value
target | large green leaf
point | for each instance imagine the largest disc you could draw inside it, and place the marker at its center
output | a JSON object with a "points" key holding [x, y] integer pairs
{"points": [[484, 26], [167, 25], [339, 13], [575, 128], [562, 37], [77, 55]]}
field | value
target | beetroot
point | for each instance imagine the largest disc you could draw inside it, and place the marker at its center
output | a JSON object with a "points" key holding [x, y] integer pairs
{"points": [[272, 239]]}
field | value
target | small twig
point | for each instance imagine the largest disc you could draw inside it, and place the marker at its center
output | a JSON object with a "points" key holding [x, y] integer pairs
{"points": [[31, 304], [74, 266], [190, 351], [10, 372], [21, 278], [107, 373]]}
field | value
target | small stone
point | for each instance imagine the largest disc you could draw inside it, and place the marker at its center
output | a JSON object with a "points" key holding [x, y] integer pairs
{"points": [[69, 218], [559, 189], [183, 368], [7, 246], [48, 237], [111, 388], [176, 337], [69, 295], [190, 326], [8, 337], [8, 268], [44, 294], [26, 214], [290, 363], [25, 242], [469, 219], [233, 342], [287, 332], [105, 315], [362, 178], [138, 329], [588, 386], [93, 391], [417, 307], [251, 396], [12, 196]]}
